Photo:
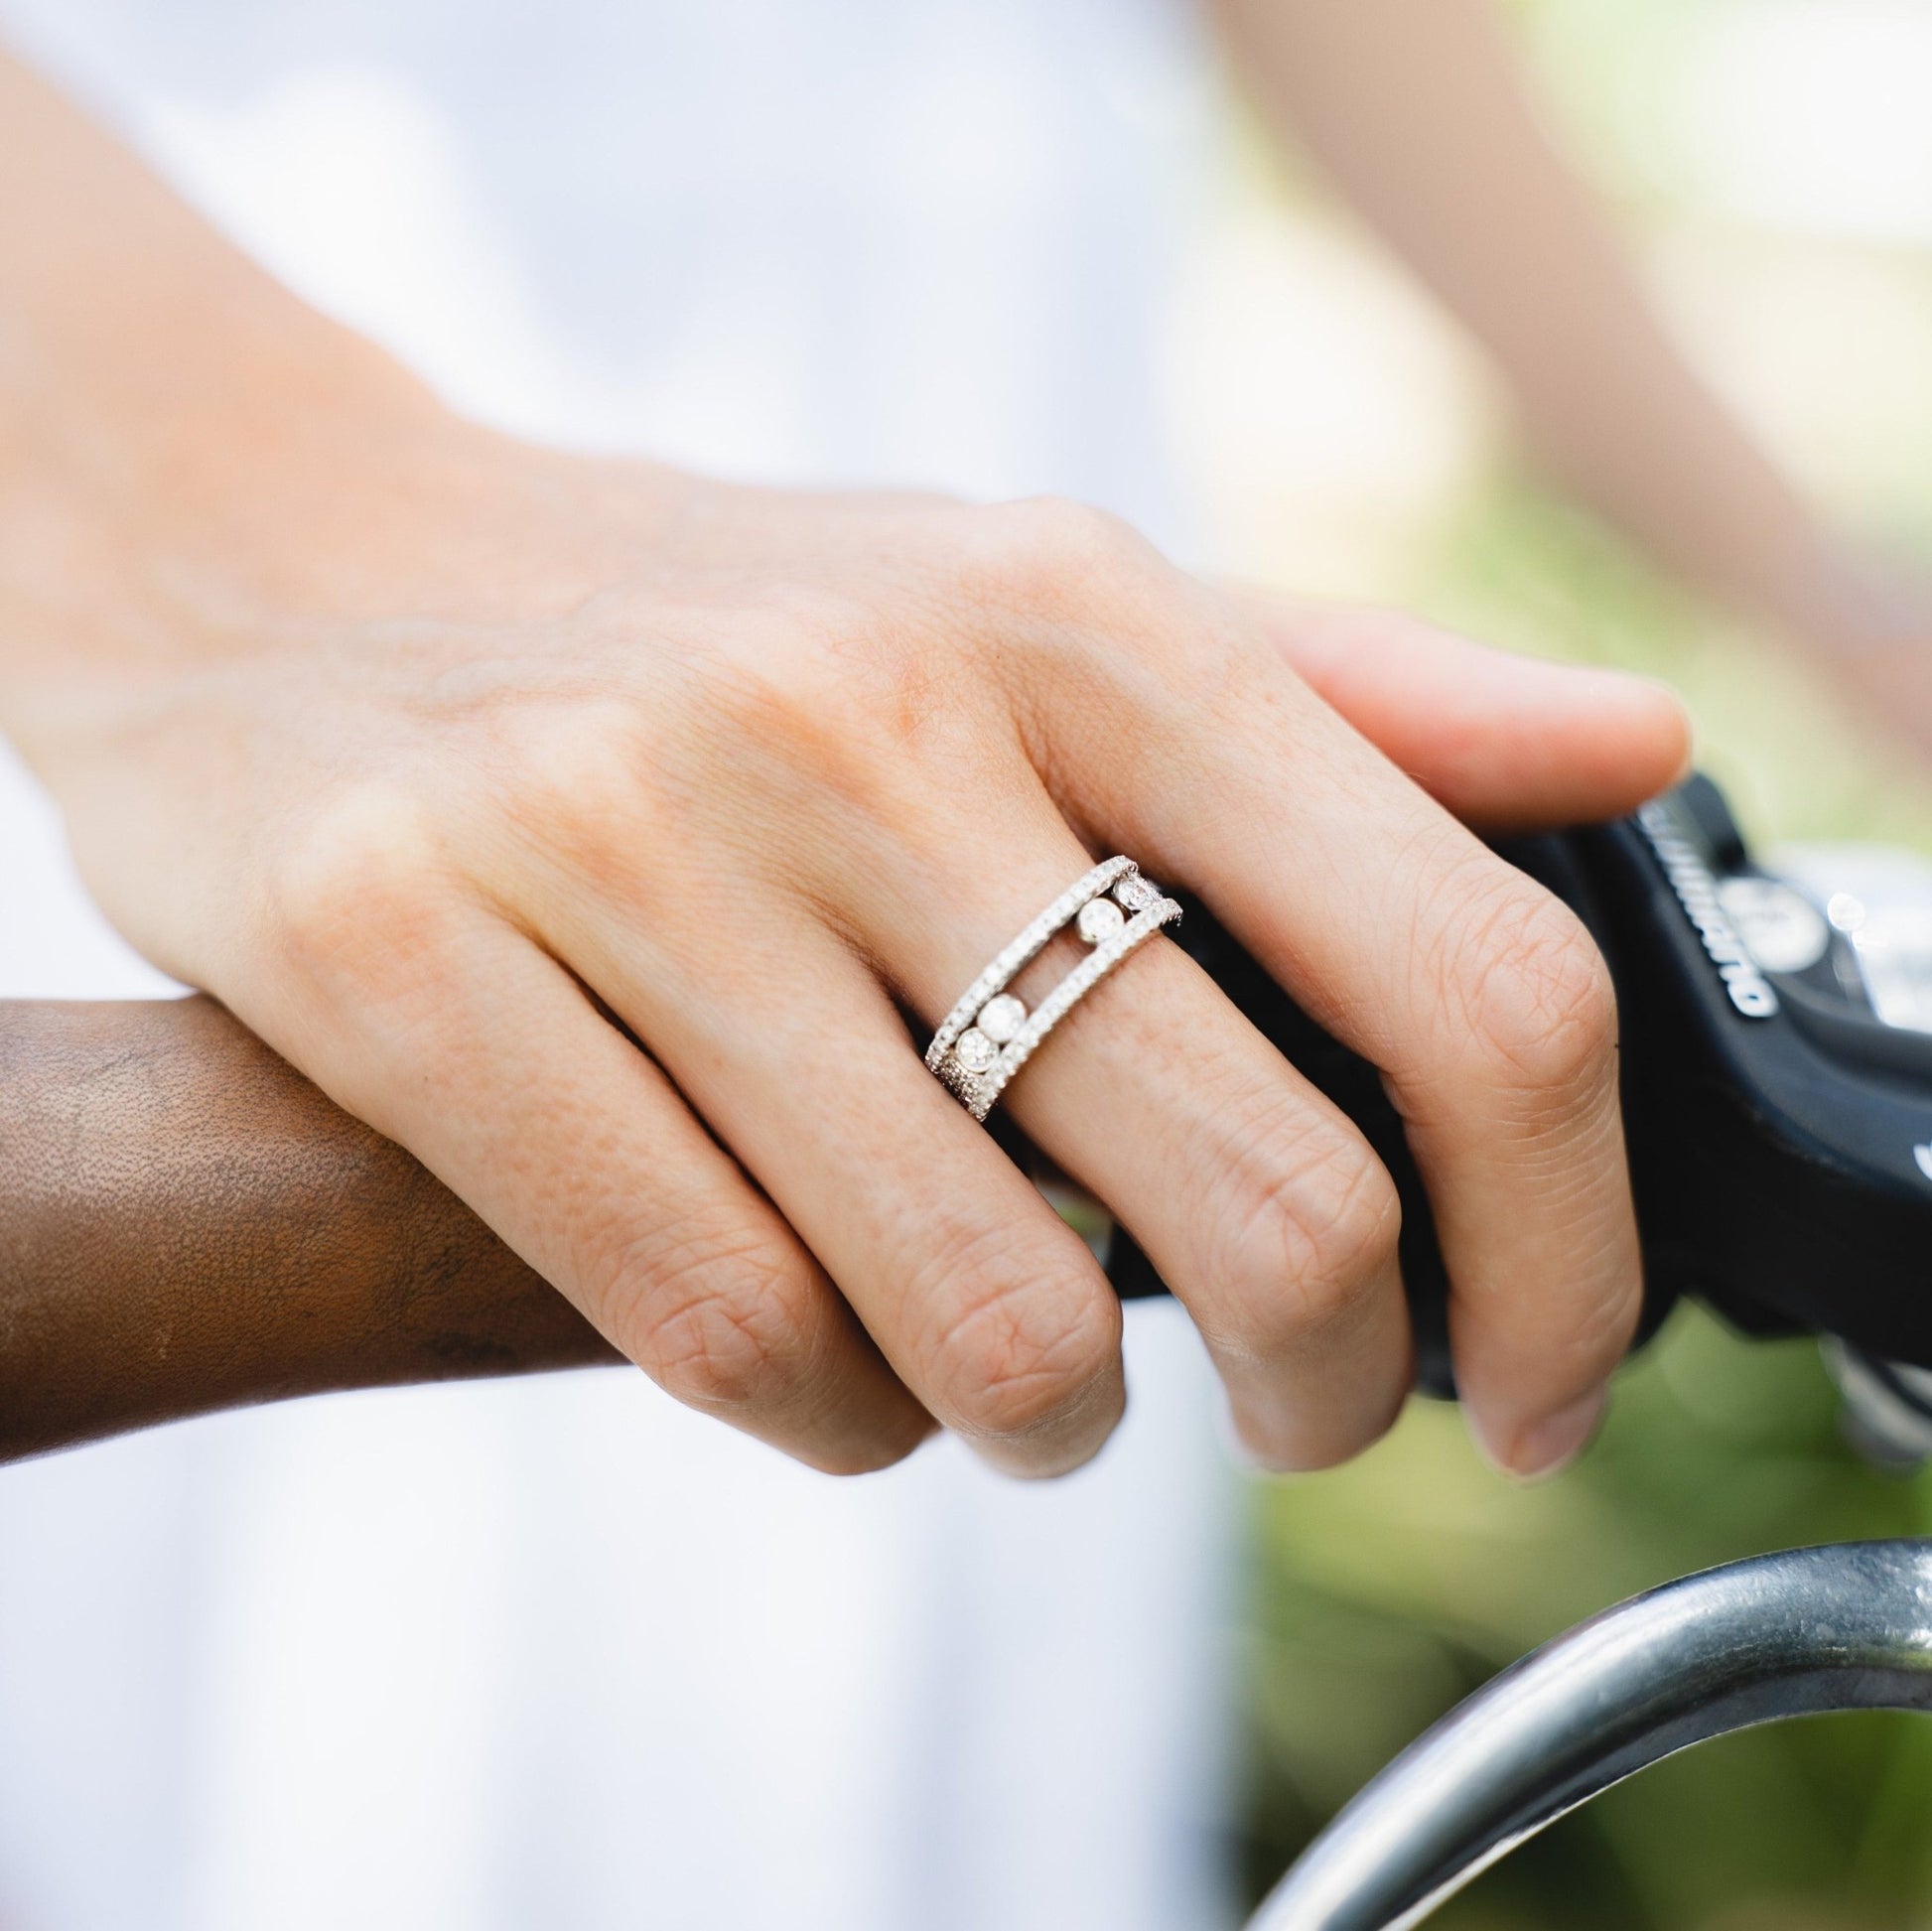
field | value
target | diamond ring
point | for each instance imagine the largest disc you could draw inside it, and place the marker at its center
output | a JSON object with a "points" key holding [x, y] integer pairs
{"points": [[989, 1035]]}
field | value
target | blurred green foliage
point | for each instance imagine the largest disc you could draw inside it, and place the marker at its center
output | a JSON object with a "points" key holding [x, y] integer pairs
{"points": [[1383, 1592]]}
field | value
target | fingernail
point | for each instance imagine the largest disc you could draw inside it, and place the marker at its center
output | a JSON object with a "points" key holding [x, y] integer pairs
{"points": [[1544, 1448]]}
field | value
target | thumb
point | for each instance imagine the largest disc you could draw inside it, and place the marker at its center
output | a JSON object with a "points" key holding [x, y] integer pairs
{"points": [[1504, 741]]}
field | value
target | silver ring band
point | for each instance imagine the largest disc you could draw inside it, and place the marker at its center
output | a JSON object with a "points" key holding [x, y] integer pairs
{"points": [[989, 1034]]}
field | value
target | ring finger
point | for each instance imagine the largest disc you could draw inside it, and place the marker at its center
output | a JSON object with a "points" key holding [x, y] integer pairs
{"points": [[986, 1304], [1256, 1197]]}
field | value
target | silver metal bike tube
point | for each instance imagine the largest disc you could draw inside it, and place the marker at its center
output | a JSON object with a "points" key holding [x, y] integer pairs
{"points": [[1844, 1627]]}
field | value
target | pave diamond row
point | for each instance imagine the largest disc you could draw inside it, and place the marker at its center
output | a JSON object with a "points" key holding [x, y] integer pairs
{"points": [[979, 1093], [1021, 953], [988, 1035]]}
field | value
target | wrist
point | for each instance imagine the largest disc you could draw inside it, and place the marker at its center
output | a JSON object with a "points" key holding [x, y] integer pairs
{"points": [[131, 478], [292, 487]]}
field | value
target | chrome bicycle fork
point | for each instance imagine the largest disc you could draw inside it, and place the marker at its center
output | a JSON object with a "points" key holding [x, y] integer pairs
{"points": [[1845, 1627]]}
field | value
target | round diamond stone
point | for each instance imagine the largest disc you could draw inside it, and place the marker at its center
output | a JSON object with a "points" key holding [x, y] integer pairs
{"points": [[1100, 919], [1137, 893], [974, 1051], [1002, 1018]]}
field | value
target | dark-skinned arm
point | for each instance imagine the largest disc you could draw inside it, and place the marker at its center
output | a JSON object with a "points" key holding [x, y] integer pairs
{"points": [[186, 1224]]}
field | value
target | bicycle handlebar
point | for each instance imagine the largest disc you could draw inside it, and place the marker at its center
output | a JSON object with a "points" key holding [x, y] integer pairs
{"points": [[1847, 1627]]}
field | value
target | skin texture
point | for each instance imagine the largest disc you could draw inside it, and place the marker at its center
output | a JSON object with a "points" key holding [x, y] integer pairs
{"points": [[190, 1225], [591, 830]]}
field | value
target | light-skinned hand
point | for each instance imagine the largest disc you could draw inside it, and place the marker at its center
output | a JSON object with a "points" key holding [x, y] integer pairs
{"points": [[592, 829]]}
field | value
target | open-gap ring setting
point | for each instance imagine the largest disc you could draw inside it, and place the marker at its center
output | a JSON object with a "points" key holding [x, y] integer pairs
{"points": [[989, 1035]]}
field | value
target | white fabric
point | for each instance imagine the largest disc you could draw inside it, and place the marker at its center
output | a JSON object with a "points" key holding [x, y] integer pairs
{"points": [[559, 1654]]}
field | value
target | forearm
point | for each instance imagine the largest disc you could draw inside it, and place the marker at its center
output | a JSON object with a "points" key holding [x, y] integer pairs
{"points": [[186, 1224], [179, 434], [1416, 111]]}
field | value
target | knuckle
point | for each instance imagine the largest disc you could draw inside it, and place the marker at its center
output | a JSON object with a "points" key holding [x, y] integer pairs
{"points": [[1027, 1341], [577, 772], [1607, 1326], [845, 695], [1063, 530], [722, 1348], [357, 891], [1538, 1001], [1052, 554], [1305, 1224], [712, 1316]]}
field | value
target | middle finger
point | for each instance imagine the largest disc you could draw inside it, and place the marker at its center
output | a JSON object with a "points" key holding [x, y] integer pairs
{"points": [[1260, 1203], [1477, 994]]}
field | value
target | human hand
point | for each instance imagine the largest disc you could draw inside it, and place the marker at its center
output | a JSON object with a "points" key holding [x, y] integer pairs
{"points": [[434, 765], [1869, 629]]}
